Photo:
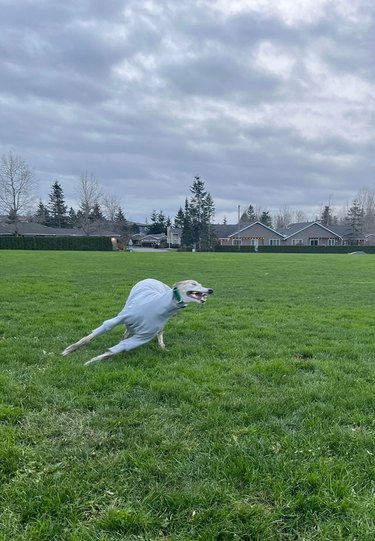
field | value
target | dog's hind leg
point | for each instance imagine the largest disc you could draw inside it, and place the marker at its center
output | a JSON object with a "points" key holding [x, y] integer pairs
{"points": [[103, 357], [108, 325], [85, 340], [161, 339]]}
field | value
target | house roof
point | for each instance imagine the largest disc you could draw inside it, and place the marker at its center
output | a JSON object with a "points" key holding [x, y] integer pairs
{"points": [[338, 230], [244, 227], [156, 236], [223, 231], [33, 228]]}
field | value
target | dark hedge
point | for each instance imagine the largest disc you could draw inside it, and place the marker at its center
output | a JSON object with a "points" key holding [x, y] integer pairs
{"points": [[55, 243]]}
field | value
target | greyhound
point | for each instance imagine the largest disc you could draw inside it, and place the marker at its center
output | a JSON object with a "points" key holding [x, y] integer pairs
{"points": [[148, 308]]}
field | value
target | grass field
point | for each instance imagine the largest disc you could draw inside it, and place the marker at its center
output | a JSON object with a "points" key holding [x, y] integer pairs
{"points": [[256, 423]]}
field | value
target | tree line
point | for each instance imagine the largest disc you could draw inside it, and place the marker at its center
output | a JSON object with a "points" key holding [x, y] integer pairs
{"points": [[96, 210], [360, 215]]}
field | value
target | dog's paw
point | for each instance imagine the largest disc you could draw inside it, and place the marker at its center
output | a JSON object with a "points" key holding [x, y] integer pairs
{"points": [[103, 357]]}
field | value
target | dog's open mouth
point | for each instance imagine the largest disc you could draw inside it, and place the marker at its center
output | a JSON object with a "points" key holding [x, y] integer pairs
{"points": [[198, 296]]}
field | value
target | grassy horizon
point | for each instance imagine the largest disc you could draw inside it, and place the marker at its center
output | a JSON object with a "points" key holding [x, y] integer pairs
{"points": [[256, 423]]}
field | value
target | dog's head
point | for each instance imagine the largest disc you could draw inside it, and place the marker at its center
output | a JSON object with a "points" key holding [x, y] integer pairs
{"points": [[192, 291]]}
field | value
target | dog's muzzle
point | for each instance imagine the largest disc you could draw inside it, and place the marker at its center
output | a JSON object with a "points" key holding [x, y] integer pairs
{"points": [[200, 296]]}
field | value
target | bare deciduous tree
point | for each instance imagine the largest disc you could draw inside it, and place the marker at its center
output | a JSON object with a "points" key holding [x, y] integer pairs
{"points": [[300, 216], [284, 217], [366, 199], [111, 205], [17, 185], [89, 194]]}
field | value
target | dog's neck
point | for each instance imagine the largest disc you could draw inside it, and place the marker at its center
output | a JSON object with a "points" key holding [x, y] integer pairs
{"points": [[177, 298]]}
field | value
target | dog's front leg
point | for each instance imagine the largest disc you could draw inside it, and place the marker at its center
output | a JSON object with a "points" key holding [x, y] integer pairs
{"points": [[161, 339], [103, 357], [85, 340]]}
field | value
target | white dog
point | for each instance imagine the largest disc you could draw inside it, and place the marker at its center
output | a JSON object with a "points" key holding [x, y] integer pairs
{"points": [[148, 308]]}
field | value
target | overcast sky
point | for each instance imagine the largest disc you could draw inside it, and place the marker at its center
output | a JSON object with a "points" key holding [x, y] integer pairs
{"points": [[270, 102]]}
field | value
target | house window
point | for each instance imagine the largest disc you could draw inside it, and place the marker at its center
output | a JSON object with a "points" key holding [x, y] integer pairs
{"points": [[236, 242], [274, 242], [297, 242], [331, 242], [314, 242]]}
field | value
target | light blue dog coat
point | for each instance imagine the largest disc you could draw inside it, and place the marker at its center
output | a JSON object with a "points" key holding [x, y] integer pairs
{"points": [[149, 306]]}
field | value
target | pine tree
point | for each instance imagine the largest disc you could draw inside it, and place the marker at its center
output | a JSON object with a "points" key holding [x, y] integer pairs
{"points": [[266, 218], [159, 223], [199, 211], [120, 221], [249, 215], [326, 216], [57, 208], [96, 214], [119, 216], [42, 215], [354, 219], [72, 217], [207, 233], [187, 229], [179, 219]]}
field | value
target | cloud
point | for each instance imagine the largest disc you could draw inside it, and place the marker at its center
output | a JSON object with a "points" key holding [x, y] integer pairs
{"points": [[269, 102]]}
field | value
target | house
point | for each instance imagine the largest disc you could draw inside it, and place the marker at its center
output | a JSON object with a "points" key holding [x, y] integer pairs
{"points": [[317, 234], [298, 234], [174, 235], [252, 234], [153, 240]]}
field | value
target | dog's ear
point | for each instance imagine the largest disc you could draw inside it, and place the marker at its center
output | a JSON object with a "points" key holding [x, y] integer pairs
{"points": [[178, 284]]}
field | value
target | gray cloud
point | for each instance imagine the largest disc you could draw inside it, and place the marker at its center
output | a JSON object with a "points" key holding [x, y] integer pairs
{"points": [[270, 104]]}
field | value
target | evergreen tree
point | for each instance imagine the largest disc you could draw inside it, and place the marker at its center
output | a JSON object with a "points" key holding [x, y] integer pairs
{"points": [[199, 211], [96, 214], [119, 216], [266, 218], [57, 208], [179, 219], [72, 217], [207, 233], [187, 229], [42, 215], [326, 216], [158, 224], [249, 215], [120, 221], [354, 218]]}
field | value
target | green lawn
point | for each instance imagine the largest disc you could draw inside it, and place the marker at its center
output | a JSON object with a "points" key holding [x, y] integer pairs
{"points": [[256, 423]]}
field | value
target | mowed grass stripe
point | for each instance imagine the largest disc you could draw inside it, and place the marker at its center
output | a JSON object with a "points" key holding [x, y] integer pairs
{"points": [[256, 423]]}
